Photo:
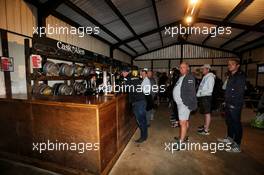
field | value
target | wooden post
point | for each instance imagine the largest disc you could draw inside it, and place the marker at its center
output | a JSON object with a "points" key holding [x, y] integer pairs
{"points": [[7, 77], [27, 67]]}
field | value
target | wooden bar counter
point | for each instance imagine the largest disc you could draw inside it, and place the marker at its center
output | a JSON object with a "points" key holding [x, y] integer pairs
{"points": [[104, 123]]}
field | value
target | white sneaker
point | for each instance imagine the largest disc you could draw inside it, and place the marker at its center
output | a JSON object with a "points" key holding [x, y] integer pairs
{"points": [[225, 140], [234, 149]]}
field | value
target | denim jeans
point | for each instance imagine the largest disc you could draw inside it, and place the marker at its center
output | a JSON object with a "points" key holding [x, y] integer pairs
{"points": [[139, 110], [233, 121]]}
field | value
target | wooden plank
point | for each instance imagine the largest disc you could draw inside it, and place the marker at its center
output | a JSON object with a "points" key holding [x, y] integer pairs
{"points": [[14, 16], [39, 121], [3, 24]]}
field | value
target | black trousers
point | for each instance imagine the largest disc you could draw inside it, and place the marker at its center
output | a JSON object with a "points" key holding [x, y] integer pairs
{"points": [[233, 121], [174, 108]]}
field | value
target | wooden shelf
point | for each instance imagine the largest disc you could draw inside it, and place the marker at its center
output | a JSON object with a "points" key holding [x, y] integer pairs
{"points": [[54, 78]]}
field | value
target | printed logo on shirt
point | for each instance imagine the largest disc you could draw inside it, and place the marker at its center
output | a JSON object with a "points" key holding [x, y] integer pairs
{"points": [[190, 81]]}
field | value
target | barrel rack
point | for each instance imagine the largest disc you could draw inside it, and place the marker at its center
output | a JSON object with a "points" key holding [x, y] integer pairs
{"points": [[49, 48]]}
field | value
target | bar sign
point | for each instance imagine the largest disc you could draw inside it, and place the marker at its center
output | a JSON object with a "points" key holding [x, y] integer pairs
{"points": [[36, 61], [7, 64]]}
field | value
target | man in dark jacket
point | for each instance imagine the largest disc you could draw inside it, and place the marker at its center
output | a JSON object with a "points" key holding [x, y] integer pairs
{"points": [[184, 95], [138, 102], [234, 98]]}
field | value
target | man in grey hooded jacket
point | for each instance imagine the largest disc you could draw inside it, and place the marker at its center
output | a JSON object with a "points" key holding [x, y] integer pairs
{"points": [[204, 95]]}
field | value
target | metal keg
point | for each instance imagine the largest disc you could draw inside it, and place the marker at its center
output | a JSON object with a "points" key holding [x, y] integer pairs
{"points": [[66, 69], [42, 89], [78, 70], [50, 69], [79, 87], [62, 89]]}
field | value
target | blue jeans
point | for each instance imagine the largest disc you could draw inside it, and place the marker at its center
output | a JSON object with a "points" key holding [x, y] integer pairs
{"points": [[139, 110], [233, 121]]}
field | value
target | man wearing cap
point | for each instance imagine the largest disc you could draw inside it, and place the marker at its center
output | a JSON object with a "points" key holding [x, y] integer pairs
{"points": [[204, 95], [137, 100]]}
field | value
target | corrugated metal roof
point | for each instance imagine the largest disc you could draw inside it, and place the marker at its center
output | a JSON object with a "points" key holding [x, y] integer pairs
{"points": [[137, 5], [140, 49], [152, 41], [199, 37], [234, 44], [252, 14], [68, 12], [216, 42], [251, 36], [142, 20], [98, 9], [217, 9], [135, 43], [119, 29], [71, 14], [170, 10], [127, 50], [168, 39], [141, 17]]}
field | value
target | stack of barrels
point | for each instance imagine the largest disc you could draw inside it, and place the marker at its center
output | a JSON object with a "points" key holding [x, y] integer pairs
{"points": [[65, 70]]}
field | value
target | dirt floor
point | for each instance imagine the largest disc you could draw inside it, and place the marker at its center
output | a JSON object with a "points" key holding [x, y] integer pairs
{"points": [[154, 158]]}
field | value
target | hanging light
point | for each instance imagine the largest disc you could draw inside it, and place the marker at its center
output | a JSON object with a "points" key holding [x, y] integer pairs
{"points": [[188, 19], [192, 2], [191, 11]]}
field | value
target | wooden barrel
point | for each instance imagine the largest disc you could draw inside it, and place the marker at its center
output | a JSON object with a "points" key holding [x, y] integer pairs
{"points": [[62, 89], [78, 70], [50, 69], [42, 89], [66, 70]]}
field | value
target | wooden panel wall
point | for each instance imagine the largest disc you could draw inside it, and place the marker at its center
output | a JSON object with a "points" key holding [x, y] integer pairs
{"points": [[18, 16], [121, 56], [256, 56], [86, 42]]}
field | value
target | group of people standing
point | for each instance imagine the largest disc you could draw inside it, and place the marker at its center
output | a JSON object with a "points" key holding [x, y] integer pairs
{"points": [[187, 98]]}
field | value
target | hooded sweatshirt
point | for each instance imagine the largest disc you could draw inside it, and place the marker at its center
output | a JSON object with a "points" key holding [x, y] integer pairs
{"points": [[206, 86]]}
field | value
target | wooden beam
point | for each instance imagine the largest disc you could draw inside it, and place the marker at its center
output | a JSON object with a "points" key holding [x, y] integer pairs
{"points": [[5, 52], [123, 19], [157, 20], [49, 6], [147, 33], [95, 22]]}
